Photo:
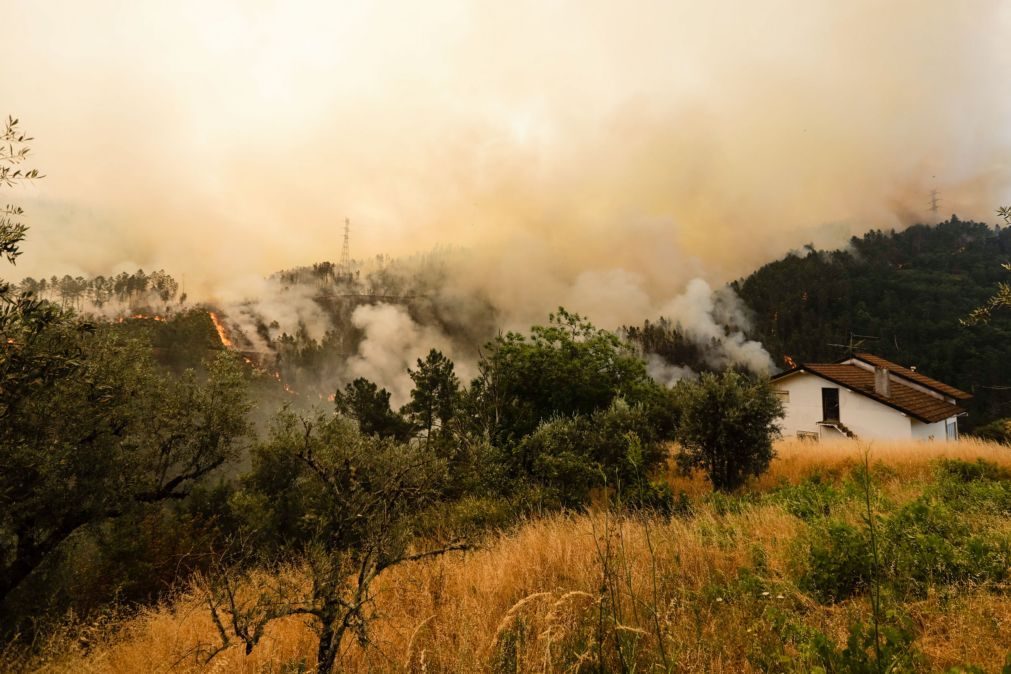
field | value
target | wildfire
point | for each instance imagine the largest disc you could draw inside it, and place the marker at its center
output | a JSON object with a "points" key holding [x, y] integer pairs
{"points": [[789, 362], [141, 317], [222, 333]]}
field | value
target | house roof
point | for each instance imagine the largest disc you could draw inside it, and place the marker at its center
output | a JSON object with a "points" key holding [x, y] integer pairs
{"points": [[903, 398], [913, 375]]}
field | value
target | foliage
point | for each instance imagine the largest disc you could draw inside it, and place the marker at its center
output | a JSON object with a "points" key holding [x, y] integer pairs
{"points": [[667, 340], [139, 292], [998, 430], [615, 447], [869, 649], [926, 544], [809, 500], [107, 437], [839, 562], [434, 398], [346, 504], [930, 542], [727, 425], [566, 368], [999, 300], [369, 405]]}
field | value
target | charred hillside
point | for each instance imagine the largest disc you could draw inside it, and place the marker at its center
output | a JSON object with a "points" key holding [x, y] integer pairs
{"points": [[907, 291]]}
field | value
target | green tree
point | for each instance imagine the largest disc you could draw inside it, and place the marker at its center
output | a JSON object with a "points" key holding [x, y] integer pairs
{"points": [[1000, 299], [435, 396], [619, 447], [728, 422], [369, 405], [106, 435], [566, 368], [342, 502]]}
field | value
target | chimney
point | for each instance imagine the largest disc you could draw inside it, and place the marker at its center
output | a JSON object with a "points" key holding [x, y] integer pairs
{"points": [[882, 384]]}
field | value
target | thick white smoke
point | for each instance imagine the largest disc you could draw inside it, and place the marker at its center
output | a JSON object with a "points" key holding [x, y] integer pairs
{"points": [[393, 343]]}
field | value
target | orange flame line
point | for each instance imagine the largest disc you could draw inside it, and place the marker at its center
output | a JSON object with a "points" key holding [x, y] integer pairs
{"points": [[222, 333]]}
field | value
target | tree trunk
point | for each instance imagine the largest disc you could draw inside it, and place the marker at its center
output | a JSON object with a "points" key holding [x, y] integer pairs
{"points": [[329, 644]]}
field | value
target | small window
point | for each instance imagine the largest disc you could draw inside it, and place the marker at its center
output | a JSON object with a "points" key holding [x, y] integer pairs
{"points": [[830, 404], [784, 396]]}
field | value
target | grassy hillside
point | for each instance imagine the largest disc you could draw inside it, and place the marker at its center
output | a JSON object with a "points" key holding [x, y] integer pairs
{"points": [[772, 579], [906, 289]]}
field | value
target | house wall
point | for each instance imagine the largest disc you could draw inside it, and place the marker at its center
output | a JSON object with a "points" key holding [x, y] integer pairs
{"points": [[923, 431], [934, 431], [865, 417]]}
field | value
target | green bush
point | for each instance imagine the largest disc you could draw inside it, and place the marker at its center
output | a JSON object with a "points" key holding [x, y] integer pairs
{"points": [[614, 447], [995, 431], [811, 499], [727, 425], [838, 562], [974, 487], [868, 650], [979, 470], [926, 543]]}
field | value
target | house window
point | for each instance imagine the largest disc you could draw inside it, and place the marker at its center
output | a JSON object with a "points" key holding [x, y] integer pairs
{"points": [[784, 396], [830, 404], [951, 429]]}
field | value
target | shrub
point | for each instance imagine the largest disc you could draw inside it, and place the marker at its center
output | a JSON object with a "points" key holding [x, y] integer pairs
{"points": [[927, 544], [868, 650], [979, 470], [614, 447], [838, 562], [727, 425], [811, 499], [995, 431]]}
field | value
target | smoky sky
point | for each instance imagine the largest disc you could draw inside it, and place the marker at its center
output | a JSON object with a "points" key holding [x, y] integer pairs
{"points": [[602, 153]]}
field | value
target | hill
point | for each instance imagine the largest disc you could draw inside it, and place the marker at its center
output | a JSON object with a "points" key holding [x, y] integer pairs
{"points": [[907, 291]]}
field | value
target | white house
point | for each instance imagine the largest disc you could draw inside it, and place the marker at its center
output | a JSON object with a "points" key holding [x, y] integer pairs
{"points": [[865, 396]]}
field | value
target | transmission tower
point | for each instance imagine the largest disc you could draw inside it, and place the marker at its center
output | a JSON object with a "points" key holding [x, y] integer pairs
{"points": [[935, 201], [344, 268]]}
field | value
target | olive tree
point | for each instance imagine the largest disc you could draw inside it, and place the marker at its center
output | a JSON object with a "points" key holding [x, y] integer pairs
{"points": [[341, 506]]}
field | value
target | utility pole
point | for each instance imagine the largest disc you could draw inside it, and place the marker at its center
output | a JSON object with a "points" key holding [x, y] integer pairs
{"points": [[935, 201]]}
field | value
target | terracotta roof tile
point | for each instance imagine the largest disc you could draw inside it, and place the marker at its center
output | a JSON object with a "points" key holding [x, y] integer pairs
{"points": [[923, 406], [913, 375]]}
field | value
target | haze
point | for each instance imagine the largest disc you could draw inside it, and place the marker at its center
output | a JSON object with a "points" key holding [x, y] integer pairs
{"points": [[590, 150]]}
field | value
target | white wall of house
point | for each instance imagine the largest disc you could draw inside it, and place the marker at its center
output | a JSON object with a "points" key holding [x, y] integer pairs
{"points": [[940, 430], [924, 431], [865, 417]]}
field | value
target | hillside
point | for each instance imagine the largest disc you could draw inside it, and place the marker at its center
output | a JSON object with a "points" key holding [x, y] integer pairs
{"points": [[771, 579], [906, 289]]}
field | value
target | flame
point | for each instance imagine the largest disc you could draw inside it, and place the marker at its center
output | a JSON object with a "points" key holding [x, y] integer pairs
{"points": [[141, 317], [790, 363], [222, 333]]}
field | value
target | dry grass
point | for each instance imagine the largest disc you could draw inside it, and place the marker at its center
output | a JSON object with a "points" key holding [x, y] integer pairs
{"points": [[536, 599]]}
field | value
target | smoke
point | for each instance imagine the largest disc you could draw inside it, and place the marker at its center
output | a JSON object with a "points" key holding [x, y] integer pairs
{"points": [[666, 373], [393, 343], [586, 156], [717, 320]]}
